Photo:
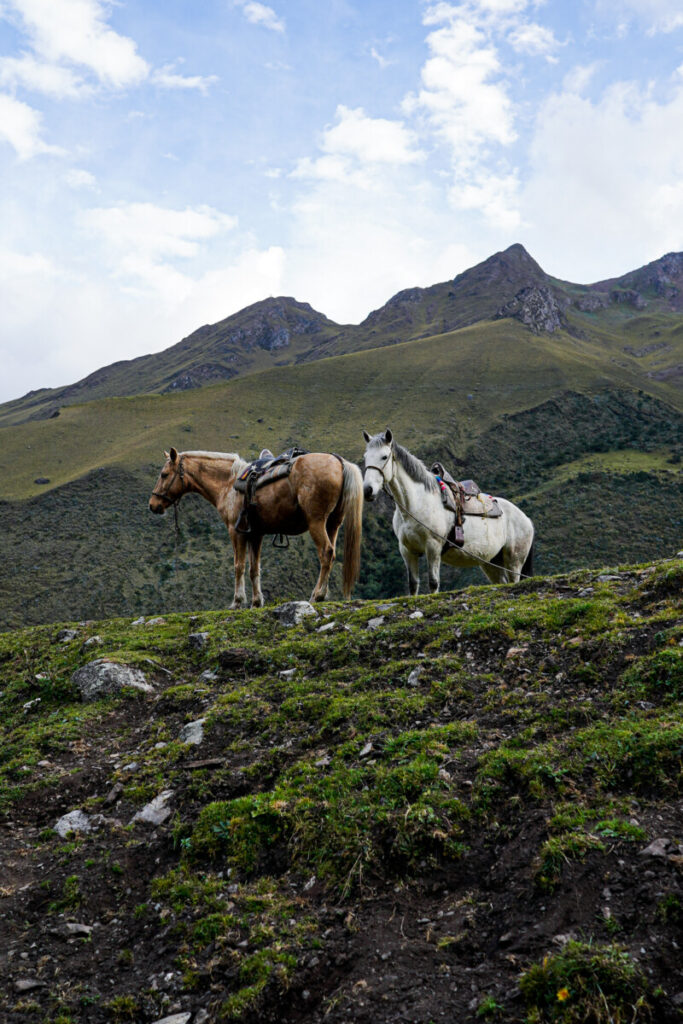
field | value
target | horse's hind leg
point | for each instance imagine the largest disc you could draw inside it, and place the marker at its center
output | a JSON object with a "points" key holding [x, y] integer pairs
{"points": [[255, 571], [434, 568], [239, 545], [325, 554], [412, 562]]}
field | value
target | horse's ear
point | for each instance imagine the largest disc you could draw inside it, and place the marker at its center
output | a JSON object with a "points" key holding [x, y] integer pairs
{"points": [[167, 455], [366, 436], [174, 455], [388, 436]]}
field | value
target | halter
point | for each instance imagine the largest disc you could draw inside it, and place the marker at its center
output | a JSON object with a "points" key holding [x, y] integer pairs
{"points": [[180, 472], [381, 471]]}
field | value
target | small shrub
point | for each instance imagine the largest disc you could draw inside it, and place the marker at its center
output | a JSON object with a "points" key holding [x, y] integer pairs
{"points": [[587, 984]]}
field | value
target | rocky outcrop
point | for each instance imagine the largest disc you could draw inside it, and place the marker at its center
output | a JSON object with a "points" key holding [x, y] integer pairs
{"points": [[536, 307], [627, 296]]}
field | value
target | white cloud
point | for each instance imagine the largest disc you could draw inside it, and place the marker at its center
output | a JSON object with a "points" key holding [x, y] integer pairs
{"points": [[37, 76], [77, 178], [533, 39], [579, 77], [657, 15], [357, 146], [617, 166], [495, 196], [75, 31], [168, 78], [261, 14], [21, 126], [143, 240], [382, 61], [463, 94]]}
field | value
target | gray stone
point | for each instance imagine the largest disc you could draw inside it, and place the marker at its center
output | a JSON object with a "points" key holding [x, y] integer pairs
{"points": [[139, 622], [376, 622], [75, 928], [65, 636], [198, 640], [92, 641], [417, 615], [175, 1018], [327, 627], [76, 821], [657, 848], [367, 749], [102, 677], [157, 810], [287, 673], [158, 621], [414, 677], [27, 984], [193, 732], [291, 613]]}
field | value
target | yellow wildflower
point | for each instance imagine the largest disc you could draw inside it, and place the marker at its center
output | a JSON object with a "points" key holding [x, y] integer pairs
{"points": [[563, 994]]}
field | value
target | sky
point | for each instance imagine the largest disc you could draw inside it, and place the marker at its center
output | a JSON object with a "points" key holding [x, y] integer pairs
{"points": [[164, 163]]}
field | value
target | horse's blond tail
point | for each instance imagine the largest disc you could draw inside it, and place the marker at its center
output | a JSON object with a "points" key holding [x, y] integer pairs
{"points": [[352, 512]]}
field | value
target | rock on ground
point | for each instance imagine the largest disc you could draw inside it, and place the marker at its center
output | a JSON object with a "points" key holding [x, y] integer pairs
{"points": [[101, 677], [291, 613]]}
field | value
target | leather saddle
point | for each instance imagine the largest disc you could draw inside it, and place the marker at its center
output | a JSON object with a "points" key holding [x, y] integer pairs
{"points": [[463, 498], [257, 474]]}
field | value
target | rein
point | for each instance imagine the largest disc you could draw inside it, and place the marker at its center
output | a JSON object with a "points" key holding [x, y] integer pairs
{"points": [[180, 472], [445, 542]]}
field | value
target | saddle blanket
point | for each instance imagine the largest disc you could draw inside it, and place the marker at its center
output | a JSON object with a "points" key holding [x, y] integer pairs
{"points": [[466, 495]]}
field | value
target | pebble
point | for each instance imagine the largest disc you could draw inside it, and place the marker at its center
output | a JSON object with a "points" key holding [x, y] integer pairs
{"points": [[417, 615], [376, 622]]}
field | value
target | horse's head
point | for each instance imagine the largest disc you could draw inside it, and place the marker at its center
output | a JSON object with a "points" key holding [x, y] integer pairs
{"points": [[379, 463], [170, 485]]}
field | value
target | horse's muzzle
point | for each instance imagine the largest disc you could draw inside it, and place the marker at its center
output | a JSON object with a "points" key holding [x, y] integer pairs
{"points": [[368, 493], [156, 506]]}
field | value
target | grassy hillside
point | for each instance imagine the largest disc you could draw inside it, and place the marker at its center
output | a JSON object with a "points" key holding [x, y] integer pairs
{"points": [[460, 807], [516, 411]]}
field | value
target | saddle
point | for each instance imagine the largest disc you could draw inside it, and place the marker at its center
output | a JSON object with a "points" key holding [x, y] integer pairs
{"points": [[262, 471], [463, 498]]}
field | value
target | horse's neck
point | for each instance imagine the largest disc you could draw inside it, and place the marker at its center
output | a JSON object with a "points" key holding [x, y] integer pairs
{"points": [[209, 475], [404, 488]]}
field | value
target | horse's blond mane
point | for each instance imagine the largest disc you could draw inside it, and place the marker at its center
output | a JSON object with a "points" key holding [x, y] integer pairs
{"points": [[213, 455]]}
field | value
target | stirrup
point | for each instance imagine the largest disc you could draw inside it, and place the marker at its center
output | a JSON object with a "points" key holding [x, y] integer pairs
{"points": [[243, 527]]}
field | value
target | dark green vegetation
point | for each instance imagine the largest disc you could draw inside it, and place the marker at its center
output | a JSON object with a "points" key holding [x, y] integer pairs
{"points": [[443, 815], [564, 398]]}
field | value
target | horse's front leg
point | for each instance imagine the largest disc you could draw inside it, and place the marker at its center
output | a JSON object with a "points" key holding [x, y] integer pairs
{"points": [[433, 554], [412, 562], [239, 545], [255, 543]]}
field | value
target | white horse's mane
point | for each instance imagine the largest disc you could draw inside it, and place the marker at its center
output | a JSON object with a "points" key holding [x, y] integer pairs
{"points": [[413, 466]]}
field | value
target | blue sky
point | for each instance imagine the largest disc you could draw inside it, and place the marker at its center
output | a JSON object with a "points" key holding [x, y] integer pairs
{"points": [[164, 164]]}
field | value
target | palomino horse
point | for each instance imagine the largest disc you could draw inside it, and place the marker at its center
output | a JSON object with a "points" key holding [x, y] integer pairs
{"points": [[320, 492], [501, 547]]}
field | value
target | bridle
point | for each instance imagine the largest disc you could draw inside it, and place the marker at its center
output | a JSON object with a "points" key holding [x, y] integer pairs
{"points": [[180, 472], [380, 470]]}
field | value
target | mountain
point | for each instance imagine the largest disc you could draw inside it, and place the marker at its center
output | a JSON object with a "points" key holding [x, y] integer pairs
{"points": [[272, 332], [281, 331]]}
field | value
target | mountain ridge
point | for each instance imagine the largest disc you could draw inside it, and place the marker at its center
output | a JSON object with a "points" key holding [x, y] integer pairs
{"points": [[282, 330]]}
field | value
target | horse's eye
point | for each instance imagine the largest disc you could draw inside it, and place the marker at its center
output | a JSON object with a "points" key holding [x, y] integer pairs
{"points": [[164, 475], [384, 458]]}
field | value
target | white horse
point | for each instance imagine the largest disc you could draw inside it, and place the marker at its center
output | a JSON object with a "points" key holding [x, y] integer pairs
{"points": [[502, 547]]}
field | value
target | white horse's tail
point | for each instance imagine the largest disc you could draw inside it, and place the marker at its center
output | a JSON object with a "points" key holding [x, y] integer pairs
{"points": [[352, 515]]}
